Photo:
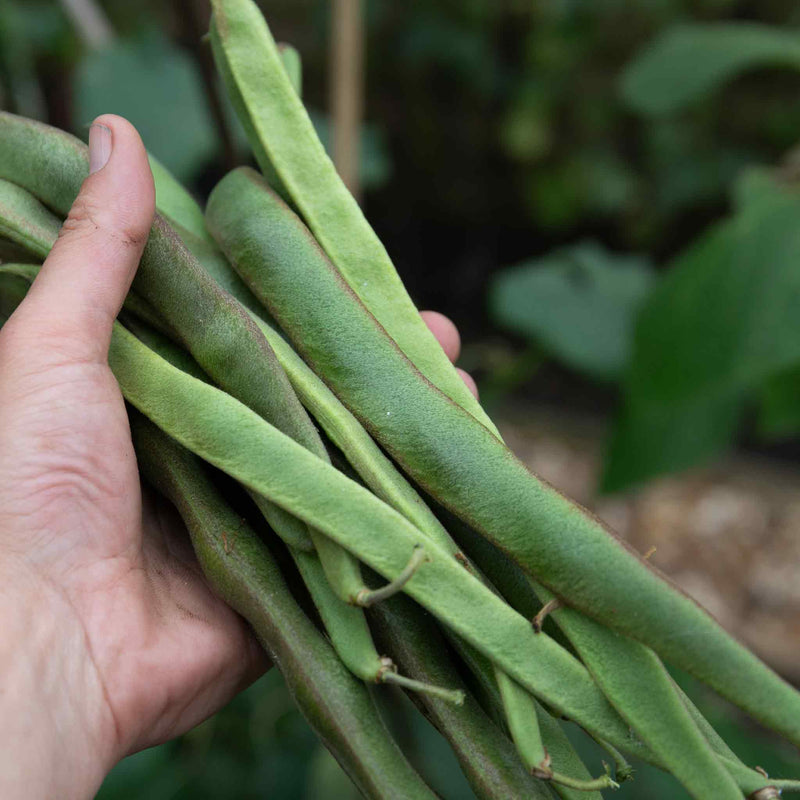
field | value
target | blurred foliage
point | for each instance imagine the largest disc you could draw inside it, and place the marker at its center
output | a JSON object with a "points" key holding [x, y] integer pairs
{"points": [[143, 74], [779, 411], [579, 303], [721, 322], [719, 327], [688, 62]]}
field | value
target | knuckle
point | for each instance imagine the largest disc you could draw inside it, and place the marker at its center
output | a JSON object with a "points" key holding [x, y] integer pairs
{"points": [[89, 218]]}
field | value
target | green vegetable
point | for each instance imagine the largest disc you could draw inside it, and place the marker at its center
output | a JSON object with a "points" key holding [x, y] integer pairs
{"points": [[465, 467], [250, 64], [242, 570]]}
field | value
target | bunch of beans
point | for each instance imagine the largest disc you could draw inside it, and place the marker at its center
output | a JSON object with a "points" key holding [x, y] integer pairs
{"points": [[271, 339]]}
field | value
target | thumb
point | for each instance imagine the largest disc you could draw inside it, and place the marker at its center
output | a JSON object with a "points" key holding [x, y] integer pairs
{"points": [[72, 304]]}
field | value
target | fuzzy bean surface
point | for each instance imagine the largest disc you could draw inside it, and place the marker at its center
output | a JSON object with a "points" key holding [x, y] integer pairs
{"points": [[467, 468], [262, 92]]}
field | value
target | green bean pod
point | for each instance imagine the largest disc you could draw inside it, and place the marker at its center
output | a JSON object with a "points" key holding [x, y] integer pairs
{"points": [[512, 583], [232, 437], [175, 203], [241, 569], [636, 683], [519, 707], [465, 467], [563, 757], [342, 428], [295, 163], [634, 680], [227, 345], [346, 625], [523, 721], [488, 759], [25, 221]]}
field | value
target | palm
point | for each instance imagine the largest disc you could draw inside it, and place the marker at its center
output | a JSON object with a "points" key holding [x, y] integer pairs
{"points": [[166, 650]]}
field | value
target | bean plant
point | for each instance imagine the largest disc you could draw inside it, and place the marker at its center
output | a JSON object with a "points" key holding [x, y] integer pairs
{"points": [[270, 338]]}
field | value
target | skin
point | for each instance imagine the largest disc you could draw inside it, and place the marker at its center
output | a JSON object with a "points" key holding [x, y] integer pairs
{"points": [[112, 640]]}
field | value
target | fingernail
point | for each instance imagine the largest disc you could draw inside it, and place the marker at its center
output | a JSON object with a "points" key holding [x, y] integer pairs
{"points": [[99, 147]]}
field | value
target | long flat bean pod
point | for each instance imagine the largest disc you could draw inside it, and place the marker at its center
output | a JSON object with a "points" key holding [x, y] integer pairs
{"points": [[346, 625], [241, 569], [520, 709], [563, 755], [227, 344], [637, 684], [24, 220], [294, 160], [609, 656], [341, 427], [467, 468], [523, 722], [487, 757], [232, 437], [175, 203]]}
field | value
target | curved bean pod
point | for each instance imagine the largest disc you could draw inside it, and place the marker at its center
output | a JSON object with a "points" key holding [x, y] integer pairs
{"points": [[563, 755], [523, 722], [241, 569], [25, 221], [487, 757], [231, 436], [512, 583], [175, 203], [636, 683], [467, 468], [346, 625], [294, 161], [341, 427], [227, 345]]}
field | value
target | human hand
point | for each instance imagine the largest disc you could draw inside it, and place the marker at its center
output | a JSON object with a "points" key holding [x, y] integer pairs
{"points": [[112, 641]]}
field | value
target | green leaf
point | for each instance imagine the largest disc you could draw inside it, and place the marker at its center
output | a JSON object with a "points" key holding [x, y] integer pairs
{"points": [[757, 184], [688, 62], [578, 304], [722, 321], [652, 438], [779, 412], [152, 83]]}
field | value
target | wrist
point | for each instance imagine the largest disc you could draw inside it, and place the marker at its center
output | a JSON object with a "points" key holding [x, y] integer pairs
{"points": [[57, 738]]}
